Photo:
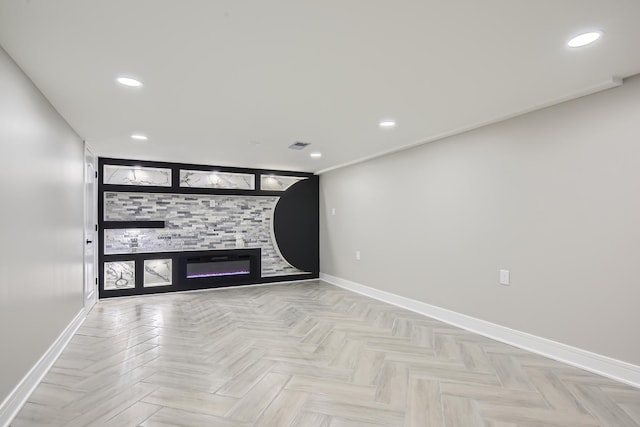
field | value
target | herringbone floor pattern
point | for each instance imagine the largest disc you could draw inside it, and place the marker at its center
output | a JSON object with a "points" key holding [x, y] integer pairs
{"points": [[310, 355]]}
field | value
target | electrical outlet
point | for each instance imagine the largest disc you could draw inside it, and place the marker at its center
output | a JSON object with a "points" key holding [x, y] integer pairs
{"points": [[357, 255], [504, 277]]}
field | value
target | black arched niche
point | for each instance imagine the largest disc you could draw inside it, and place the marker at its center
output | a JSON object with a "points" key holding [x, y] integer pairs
{"points": [[296, 225]]}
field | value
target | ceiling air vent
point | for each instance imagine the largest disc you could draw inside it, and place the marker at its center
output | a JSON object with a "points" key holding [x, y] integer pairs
{"points": [[299, 145]]}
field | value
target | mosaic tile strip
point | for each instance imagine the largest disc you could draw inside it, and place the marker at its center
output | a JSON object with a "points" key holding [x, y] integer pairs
{"points": [[209, 179], [157, 272], [195, 223], [119, 275], [278, 182], [134, 175]]}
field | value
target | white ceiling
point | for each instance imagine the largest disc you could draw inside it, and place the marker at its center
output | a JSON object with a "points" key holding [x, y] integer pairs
{"points": [[235, 82]]}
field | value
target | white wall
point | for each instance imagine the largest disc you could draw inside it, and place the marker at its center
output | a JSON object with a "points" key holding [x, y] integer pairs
{"points": [[553, 196], [41, 218]]}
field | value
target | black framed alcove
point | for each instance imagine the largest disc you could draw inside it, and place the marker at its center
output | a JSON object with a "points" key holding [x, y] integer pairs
{"points": [[166, 227]]}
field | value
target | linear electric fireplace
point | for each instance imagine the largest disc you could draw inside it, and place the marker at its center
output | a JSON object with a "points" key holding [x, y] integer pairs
{"points": [[219, 268]]}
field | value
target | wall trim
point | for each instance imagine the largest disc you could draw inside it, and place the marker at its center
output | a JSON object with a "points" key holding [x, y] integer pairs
{"points": [[18, 397], [608, 83], [598, 364]]}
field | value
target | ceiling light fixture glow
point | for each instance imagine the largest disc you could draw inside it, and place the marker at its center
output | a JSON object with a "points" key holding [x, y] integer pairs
{"points": [[584, 39], [316, 155], [139, 137], [129, 81], [387, 124]]}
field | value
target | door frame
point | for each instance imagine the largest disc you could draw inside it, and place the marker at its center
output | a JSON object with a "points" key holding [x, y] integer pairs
{"points": [[90, 289]]}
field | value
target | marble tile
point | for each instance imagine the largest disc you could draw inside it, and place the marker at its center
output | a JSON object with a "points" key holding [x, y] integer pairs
{"points": [[278, 182], [133, 175], [119, 275], [212, 179], [157, 272]]}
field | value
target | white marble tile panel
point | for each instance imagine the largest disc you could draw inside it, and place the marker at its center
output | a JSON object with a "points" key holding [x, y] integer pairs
{"points": [[213, 179], [278, 182], [119, 275], [136, 175], [157, 272]]}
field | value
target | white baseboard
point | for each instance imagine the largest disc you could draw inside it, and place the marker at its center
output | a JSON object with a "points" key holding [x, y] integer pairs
{"points": [[602, 365], [12, 404]]}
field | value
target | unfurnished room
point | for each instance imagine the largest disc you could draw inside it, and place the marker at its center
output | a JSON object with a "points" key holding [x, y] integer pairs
{"points": [[319, 214]]}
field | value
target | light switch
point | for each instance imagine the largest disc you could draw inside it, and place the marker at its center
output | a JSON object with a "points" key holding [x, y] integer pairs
{"points": [[504, 277], [333, 211], [358, 255]]}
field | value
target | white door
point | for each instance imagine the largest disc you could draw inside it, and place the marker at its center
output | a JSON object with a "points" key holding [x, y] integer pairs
{"points": [[90, 230]]}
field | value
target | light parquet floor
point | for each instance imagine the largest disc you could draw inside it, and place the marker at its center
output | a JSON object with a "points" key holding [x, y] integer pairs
{"points": [[310, 355]]}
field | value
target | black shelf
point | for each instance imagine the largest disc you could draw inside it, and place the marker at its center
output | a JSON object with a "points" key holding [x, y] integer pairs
{"points": [[133, 224]]}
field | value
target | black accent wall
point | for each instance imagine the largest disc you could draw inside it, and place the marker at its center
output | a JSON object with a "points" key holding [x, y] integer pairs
{"points": [[296, 225], [295, 228]]}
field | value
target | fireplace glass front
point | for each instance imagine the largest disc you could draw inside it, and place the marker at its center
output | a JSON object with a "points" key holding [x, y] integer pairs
{"points": [[215, 268]]}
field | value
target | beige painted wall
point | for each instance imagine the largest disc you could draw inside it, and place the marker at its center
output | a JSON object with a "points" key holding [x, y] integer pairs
{"points": [[41, 212], [553, 196]]}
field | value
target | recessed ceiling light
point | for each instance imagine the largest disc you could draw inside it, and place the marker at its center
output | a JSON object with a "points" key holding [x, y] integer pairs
{"points": [[129, 81], [139, 137], [584, 39], [387, 124], [316, 154]]}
